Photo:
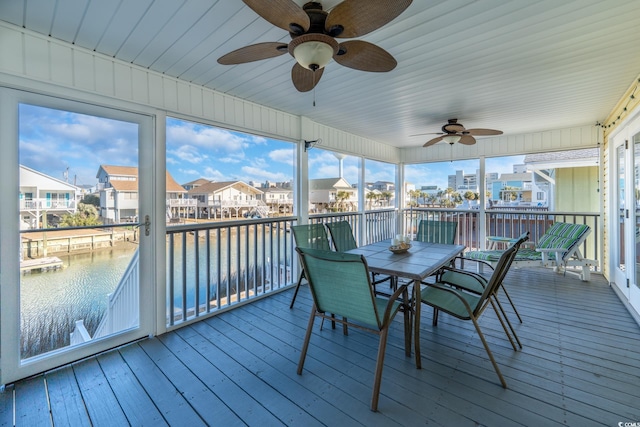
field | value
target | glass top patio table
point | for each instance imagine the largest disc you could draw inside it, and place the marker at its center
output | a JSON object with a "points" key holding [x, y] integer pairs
{"points": [[419, 262]]}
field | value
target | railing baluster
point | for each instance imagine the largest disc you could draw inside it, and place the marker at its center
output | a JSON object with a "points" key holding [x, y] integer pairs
{"points": [[208, 275], [171, 279], [197, 273], [184, 275]]}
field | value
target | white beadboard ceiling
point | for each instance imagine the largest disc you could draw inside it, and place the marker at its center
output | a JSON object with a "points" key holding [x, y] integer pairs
{"points": [[519, 66]]}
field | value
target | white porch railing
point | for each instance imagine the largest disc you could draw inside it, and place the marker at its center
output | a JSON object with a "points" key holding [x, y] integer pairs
{"points": [[182, 203], [507, 222], [213, 266], [48, 204], [122, 310]]}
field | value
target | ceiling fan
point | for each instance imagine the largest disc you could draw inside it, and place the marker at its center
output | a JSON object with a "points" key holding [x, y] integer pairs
{"points": [[313, 36], [454, 132]]}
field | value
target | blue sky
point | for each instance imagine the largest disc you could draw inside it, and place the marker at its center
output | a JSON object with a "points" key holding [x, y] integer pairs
{"points": [[53, 140]]}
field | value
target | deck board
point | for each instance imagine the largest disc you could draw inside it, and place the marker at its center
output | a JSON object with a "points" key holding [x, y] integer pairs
{"points": [[6, 407], [579, 365], [169, 401], [31, 405], [67, 406], [132, 397], [101, 403]]}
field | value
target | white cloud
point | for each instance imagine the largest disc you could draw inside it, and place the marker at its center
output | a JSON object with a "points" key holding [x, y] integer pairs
{"points": [[188, 153], [282, 156], [256, 174], [214, 175]]}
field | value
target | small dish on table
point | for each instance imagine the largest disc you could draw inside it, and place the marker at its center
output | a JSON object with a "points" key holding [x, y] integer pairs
{"points": [[400, 248]]}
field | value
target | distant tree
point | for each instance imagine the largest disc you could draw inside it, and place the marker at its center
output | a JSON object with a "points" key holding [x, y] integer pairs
{"points": [[341, 197], [469, 195], [86, 215], [413, 197], [91, 199], [371, 197], [387, 195]]}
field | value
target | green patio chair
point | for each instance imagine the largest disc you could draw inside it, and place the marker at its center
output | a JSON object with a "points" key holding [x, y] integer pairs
{"points": [[308, 236], [342, 238], [434, 231], [476, 283], [468, 305], [340, 284]]}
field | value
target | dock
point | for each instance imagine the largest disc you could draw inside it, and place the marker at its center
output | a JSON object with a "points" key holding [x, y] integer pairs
{"points": [[41, 264]]}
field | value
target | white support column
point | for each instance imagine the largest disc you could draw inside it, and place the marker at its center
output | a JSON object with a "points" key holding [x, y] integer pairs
{"points": [[400, 197], [482, 224], [361, 203], [301, 188]]}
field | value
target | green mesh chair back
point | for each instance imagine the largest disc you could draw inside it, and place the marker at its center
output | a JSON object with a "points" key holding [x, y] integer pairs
{"points": [[340, 285], [343, 240], [432, 231], [469, 306], [342, 236], [312, 236]]}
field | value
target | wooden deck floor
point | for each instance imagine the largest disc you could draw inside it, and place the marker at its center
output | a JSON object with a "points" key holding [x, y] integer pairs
{"points": [[580, 366]]}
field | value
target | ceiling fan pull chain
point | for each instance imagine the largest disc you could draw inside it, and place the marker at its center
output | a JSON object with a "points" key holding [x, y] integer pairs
{"points": [[314, 88]]}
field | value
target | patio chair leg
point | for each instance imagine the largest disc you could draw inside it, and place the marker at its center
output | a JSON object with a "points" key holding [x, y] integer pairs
{"points": [[511, 302], [486, 347], [513, 331], [435, 317], [307, 337], [504, 327], [295, 294], [377, 381]]}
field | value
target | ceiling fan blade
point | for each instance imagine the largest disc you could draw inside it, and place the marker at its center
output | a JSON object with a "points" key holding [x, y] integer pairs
{"points": [[304, 79], [433, 141], [364, 56], [359, 17], [467, 140], [254, 52], [482, 132], [281, 13], [428, 133]]}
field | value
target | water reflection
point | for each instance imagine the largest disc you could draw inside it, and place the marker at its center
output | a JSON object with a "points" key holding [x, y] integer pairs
{"points": [[51, 302]]}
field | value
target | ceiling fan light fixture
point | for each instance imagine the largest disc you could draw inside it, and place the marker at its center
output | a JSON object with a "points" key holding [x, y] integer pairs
{"points": [[313, 51], [451, 139]]}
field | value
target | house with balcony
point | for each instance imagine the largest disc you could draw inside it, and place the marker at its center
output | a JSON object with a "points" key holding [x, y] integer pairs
{"points": [[229, 199], [43, 199], [517, 189], [118, 188], [215, 340], [332, 194], [278, 199]]}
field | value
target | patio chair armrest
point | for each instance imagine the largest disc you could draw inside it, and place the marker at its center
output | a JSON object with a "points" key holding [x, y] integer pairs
{"points": [[465, 259], [482, 281], [392, 299]]}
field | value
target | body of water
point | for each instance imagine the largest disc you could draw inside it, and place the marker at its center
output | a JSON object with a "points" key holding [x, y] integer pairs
{"points": [[80, 291]]}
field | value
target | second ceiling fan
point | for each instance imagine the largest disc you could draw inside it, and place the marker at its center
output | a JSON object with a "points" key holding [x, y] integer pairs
{"points": [[313, 34], [454, 132]]}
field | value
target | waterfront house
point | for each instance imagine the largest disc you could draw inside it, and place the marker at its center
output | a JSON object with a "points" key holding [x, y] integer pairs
{"points": [[229, 199], [332, 193], [44, 199], [118, 187], [554, 76], [279, 199], [195, 183]]}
